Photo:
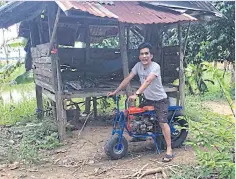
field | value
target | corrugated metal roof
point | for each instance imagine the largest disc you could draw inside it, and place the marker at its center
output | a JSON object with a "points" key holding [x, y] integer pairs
{"points": [[195, 5], [14, 12], [130, 12], [200, 6]]}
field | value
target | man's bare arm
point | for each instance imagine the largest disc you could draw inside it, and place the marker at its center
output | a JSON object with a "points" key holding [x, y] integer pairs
{"points": [[125, 82], [146, 83]]}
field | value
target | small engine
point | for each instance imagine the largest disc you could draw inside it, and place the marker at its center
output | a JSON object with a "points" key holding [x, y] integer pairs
{"points": [[140, 124]]}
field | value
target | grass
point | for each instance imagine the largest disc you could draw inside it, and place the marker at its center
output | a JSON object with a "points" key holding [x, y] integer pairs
{"points": [[12, 113], [212, 137], [36, 136], [215, 93]]}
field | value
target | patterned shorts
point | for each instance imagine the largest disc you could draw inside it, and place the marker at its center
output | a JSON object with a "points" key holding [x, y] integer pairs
{"points": [[160, 106]]}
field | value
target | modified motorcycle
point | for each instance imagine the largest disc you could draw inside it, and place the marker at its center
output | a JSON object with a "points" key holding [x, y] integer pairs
{"points": [[142, 123]]}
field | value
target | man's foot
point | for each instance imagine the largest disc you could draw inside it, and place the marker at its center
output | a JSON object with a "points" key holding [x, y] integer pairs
{"points": [[137, 139], [168, 158]]}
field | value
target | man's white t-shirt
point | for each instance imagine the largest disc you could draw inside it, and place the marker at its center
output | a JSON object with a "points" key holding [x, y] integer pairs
{"points": [[155, 90]]}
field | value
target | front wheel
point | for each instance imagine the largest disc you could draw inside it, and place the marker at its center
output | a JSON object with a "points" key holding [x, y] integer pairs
{"points": [[114, 150]]}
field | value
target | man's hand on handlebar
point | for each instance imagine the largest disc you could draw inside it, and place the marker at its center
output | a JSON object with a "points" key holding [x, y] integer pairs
{"points": [[110, 94], [132, 97]]}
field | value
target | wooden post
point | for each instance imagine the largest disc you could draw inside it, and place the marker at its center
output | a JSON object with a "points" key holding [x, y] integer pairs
{"points": [[185, 45], [128, 34], [124, 55], [159, 46], [38, 89], [181, 70], [53, 35], [40, 29], [39, 99], [51, 19], [95, 110], [61, 112], [152, 32], [87, 61], [162, 54]]}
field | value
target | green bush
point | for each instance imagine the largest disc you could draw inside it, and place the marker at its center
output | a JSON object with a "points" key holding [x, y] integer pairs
{"points": [[36, 136], [212, 137]]}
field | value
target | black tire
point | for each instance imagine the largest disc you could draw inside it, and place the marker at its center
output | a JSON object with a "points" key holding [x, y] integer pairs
{"points": [[110, 147], [177, 139]]}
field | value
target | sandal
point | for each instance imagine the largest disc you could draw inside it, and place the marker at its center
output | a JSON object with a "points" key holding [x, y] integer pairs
{"points": [[168, 158]]}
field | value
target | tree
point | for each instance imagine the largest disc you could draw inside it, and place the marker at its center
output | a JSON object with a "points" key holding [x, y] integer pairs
{"points": [[214, 40], [209, 41]]}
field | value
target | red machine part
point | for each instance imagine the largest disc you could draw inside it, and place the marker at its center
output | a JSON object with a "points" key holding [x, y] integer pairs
{"points": [[135, 110], [130, 118]]}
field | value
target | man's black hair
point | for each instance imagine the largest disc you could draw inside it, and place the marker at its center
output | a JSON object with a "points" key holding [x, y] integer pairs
{"points": [[145, 45]]}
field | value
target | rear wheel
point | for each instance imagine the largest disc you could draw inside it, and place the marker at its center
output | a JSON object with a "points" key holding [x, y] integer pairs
{"points": [[179, 132]]}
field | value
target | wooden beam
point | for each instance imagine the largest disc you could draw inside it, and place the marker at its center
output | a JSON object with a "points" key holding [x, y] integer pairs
{"points": [[87, 41], [136, 34], [159, 46], [95, 110], [51, 25], [161, 55], [44, 85], [128, 36], [32, 34], [39, 100], [39, 24], [96, 92], [61, 112], [42, 60], [181, 70], [50, 17], [124, 55], [53, 37], [38, 88], [185, 44], [87, 61], [50, 95]]}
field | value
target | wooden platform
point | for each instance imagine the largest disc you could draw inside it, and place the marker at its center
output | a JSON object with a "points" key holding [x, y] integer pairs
{"points": [[96, 92]]}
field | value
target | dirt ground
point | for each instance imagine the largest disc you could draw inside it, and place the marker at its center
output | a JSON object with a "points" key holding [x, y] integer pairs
{"points": [[83, 156], [219, 107]]}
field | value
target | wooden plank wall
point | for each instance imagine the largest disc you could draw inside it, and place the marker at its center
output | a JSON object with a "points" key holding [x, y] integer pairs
{"points": [[42, 66], [76, 56], [75, 59], [170, 64]]}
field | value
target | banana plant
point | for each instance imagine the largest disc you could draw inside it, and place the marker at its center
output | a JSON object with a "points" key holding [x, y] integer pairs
{"points": [[216, 75], [195, 81], [26, 77]]}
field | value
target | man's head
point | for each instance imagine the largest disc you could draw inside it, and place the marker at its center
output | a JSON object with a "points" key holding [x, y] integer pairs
{"points": [[145, 53]]}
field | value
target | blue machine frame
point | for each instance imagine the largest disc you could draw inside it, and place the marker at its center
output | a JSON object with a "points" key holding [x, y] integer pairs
{"points": [[121, 119]]}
